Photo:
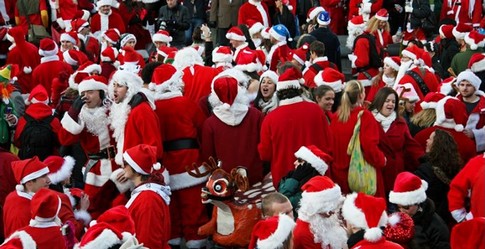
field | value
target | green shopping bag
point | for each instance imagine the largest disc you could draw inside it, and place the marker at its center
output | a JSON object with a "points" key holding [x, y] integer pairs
{"points": [[362, 176]]}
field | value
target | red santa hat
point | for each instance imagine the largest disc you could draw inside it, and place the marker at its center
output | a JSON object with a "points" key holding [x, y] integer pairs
{"points": [[255, 28], [142, 158], [119, 218], [235, 33], [356, 23], [393, 61], [477, 62], [366, 212], [45, 205], [90, 68], [469, 234], [408, 190], [324, 18], [446, 86], [70, 36], [112, 35], [38, 95], [451, 113], [269, 74], [131, 60], [407, 92], [48, 47], [29, 169], [79, 24], [331, 78], [291, 78], [101, 235], [414, 53], [109, 54], [320, 195], [166, 78], [222, 54], [162, 36], [16, 35], [165, 51], [60, 168], [300, 54], [187, 57], [446, 30], [76, 78], [265, 33], [248, 61], [471, 77], [460, 30], [226, 90], [431, 100], [313, 12], [315, 157], [74, 57], [272, 232], [93, 82], [400, 228], [382, 15], [475, 40], [19, 240], [100, 3]]}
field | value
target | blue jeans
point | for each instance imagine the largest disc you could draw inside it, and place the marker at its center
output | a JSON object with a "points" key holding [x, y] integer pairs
{"points": [[195, 22]]}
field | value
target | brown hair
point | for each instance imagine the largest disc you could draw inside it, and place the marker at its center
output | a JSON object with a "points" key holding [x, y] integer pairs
{"points": [[444, 153], [268, 200], [425, 118], [353, 89], [381, 97]]}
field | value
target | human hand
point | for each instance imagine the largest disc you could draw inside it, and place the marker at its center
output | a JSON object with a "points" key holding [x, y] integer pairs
{"points": [[11, 119], [121, 177], [84, 202]]}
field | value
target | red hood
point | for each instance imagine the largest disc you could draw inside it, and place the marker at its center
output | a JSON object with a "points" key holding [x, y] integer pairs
{"points": [[39, 110]]}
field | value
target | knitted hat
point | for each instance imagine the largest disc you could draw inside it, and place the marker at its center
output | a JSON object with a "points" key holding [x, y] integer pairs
{"points": [[475, 40], [142, 158], [460, 30], [431, 99], [48, 47], [70, 36], [382, 15], [324, 18], [255, 28], [124, 38], [477, 63], [101, 235], [162, 36], [60, 168], [109, 54], [38, 95], [119, 217], [314, 156], [469, 234], [446, 30], [222, 54], [272, 232], [313, 12], [331, 78], [79, 24], [320, 195], [400, 228], [235, 33], [29, 169], [90, 68], [366, 212], [19, 240], [45, 205], [300, 54], [112, 35], [408, 190], [166, 77], [248, 61], [446, 86], [407, 92], [451, 113], [469, 76], [291, 78], [393, 61], [279, 32], [93, 82]]}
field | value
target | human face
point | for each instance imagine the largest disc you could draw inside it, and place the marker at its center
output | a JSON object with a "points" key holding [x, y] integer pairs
{"points": [[429, 142], [129, 172], [389, 105], [86, 30], [267, 88], [66, 45], [38, 183], [119, 92], [159, 44], [326, 101], [92, 98], [105, 9], [409, 106], [381, 24], [410, 210], [235, 43], [278, 3], [405, 59], [171, 3], [285, 208], [388, 71], [130, 43], [466, 89]]}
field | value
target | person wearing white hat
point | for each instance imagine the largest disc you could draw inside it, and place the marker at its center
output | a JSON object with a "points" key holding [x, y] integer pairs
{"points": [[106, 19]]}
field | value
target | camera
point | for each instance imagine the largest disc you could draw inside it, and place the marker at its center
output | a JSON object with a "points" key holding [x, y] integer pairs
{"points": [[167, 25]]}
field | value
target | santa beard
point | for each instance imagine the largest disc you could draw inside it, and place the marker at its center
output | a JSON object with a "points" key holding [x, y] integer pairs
{"points": [[95, 119], [328, 231], [118, 116], [353, 33]]}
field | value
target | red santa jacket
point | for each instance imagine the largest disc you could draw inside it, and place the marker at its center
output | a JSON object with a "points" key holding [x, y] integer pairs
{"points": [[336, 10], [469, 182], [303, 237], [461, 11], [49, 68], [354, 6], [278, 54], [476, 122], [254, 11], [16, 212], [191, 88], [361, 62], [26, 56], [384, 38], [92, 47], [113, 20], [49, 237], [203, 79], [381, 244], [369, 140], [280, 140], [40, 18], [78, 218], [310, 72]]}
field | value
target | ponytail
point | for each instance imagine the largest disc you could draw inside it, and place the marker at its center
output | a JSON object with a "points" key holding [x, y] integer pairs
{"points": [[350, 96]]}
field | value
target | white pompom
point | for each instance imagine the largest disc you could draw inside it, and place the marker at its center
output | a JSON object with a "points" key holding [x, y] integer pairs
{"points": [[373, 234], [394, 219], [92, 223], [151, 86], [19, 187], [157, 166], [474, 47]]}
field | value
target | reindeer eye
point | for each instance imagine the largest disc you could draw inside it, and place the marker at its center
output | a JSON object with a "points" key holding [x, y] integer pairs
{"points": [[220, 186]]}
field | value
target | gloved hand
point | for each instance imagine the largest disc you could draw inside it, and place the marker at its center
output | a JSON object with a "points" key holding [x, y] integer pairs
{"points": [[76, 108], [303, 171]]}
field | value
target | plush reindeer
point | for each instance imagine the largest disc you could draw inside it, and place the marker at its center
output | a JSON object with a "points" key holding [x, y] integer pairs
{"points": [[237, 209]]}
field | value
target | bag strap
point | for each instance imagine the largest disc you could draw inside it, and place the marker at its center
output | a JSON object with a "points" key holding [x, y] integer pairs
{"points": [[422, 86], [355, 135]]}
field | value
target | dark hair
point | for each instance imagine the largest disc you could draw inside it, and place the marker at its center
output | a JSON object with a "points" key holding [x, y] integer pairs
{"points": [[322, 90], [197, 35], [289, 93], [444, 153], [381, 97], [305, 38], [285, 66], [147, 71], [259, 96], [318, 48]]}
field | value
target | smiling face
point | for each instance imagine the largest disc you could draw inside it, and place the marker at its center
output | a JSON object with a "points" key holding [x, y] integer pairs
{"points": [[119, 92], [267, 88], [105, 9], [326, 101], [389, 105]]}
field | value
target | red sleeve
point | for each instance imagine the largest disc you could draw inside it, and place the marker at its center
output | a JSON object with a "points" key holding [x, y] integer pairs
{"points": [[369, 140], [143, 128], [120, 24], [18, 131], [240, 16], [66, 138], [43, 5], [462, 183], [376, 6], [264, 146], [207, 148], [361, 50], [309, 78]]}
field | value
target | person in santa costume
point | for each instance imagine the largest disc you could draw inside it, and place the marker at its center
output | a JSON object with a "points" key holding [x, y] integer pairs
{"points": [[278, 141], [87, 42], [318, 225], [280, 50], [237, 40], [365, 216], [275, 232], [50, 65], [108, 62], [387, 76], [462, 11], [189, 61], [45, 226], [266, 99], [409, 194], [256, 11], [400, 229], [328, 38], [181, 120], [380, 29], [109, 38], [161, 39], [31, 176], [74, 58], [366, 8], [317, 63], [106, 19], [25, 55], [469, 234], [471, 42], [130, 60], [468, 87], [21, 240], [149, 200]]}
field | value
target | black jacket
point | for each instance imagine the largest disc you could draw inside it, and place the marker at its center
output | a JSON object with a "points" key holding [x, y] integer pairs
{"points": [[177, 20], [430, 230], [197, 8], [421, 9], [286, 18], [332, 44], [448, 49]]}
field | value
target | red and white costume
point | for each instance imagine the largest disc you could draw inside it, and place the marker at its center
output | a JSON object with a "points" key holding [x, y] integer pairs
{"points": [[462, 11], [310, 72], [366, 8], [254, 11], [190, 62], [101, 22]]}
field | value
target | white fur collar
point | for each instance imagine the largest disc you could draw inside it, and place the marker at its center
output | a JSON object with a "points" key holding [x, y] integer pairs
{"points": [[254, 2], [293, 100], [94, 119], [273, 49], [231, 115], [49, 58], [384, 121], [388, 80], [320, 59], [104, 21], [167, 95], [118, 117]]}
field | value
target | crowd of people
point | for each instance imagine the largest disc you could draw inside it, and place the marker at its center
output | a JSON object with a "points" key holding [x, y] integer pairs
{"points": [[106, 104]]}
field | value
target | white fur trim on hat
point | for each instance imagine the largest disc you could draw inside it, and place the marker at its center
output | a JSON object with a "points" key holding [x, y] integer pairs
{"points": [[67, 57], [93, 67], [277, 36], [470, 77], [234, 36], [275, 240], [220, 57], [391, 63], [381, 18], [317, 163], [67, 37], [105, 240], [251, 67], [184, 180], [411, 197], [27, 241], [282, 85], [173, 84], [257, 27], [82, 215], [46, 53], [161, 38], [472, 44], [337, 86], [407, 53], [34, 175], [103, 3], [134, 164], [321, 202], [441, 119], [459, 35], [91, 84], [122, 187], [478, 66], [64, 172]]}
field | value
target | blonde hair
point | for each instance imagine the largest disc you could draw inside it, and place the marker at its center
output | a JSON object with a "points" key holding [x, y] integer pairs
{"points": [[353, 89], [373, 25], [425, 118]]}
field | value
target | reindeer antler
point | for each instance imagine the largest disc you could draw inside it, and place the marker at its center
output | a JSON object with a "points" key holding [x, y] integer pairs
{"points": [[240, 177], [197, 174]]}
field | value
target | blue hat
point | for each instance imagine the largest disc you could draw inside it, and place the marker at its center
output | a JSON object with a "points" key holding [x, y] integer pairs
{"points": [[324, 18], [280, 32]]}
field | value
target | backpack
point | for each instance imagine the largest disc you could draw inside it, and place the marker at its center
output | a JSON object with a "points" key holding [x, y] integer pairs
{"points": [[37, 138], [375, 58]]}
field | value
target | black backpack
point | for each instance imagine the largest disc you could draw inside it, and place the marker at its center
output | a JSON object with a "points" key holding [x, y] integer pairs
{"points": [[375, 58], [37, 138]]}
